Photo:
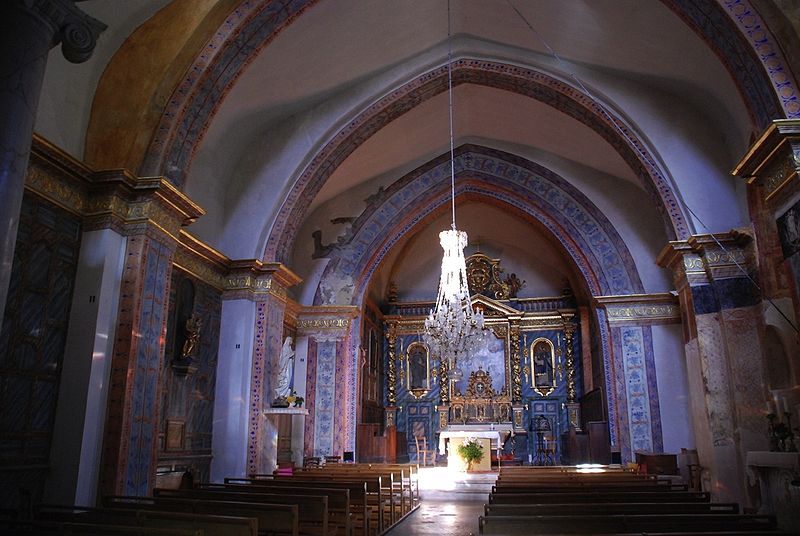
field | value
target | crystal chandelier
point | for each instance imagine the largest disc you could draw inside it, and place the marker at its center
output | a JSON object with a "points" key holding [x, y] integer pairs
{"points": [[453, 329]]}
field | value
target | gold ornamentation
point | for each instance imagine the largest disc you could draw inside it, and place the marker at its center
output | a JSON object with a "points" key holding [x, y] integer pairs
{"points": [[484, 277], [516, 367], [60, 191], [391, 390], [635, 312], [192, 330], [544, 366], [197, 266], [444, 384], [481, 403], [569, 330], [323, 323]]}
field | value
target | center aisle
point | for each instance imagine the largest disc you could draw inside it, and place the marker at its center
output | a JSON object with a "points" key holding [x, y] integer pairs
{"points": [[451, 503]]}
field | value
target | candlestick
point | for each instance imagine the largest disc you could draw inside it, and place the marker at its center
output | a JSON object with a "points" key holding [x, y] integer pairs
{"points": [[559, 340]]}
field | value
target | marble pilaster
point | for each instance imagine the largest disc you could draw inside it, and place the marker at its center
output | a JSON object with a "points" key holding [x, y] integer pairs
{"points": [[638, 400], [722, 322], [256, 292], [149, 213], [770, 168], [28, 30], [331, 379]]}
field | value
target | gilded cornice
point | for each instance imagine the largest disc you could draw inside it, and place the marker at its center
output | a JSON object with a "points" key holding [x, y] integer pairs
{"points": [[704, 256], [766, 147], [200, 260], [660, 308], [773, 161], [130, 205], [110, 198], [326, 319], [252, 278]]}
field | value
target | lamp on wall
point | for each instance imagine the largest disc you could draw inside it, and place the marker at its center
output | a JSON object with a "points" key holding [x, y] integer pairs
{"points": [[453, 329]]}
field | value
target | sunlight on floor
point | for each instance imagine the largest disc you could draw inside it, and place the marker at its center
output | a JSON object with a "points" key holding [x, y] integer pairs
{"points": [[446, 479]]}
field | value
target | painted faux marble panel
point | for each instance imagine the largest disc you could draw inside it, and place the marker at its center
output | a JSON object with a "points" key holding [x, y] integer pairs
{"points": [[146, 360], [636, 388], [608, 377], [747, 375], [324, 405], [189, 398], [32, 341], [716, 379]]}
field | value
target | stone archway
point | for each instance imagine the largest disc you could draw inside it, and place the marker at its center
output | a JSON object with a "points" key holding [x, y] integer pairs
{"points": [[587, 236]]}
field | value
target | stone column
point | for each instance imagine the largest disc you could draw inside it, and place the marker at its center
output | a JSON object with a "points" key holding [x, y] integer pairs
{"points": [[149, 213], [28, 30], [722, 324], [330, 382]]}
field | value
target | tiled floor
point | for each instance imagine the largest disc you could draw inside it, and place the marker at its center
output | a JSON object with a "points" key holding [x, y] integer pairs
{"points": [[451, 504]]}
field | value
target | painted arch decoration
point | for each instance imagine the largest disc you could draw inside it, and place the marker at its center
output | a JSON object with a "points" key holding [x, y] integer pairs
{"points": [[732, 28], [586, 234]]}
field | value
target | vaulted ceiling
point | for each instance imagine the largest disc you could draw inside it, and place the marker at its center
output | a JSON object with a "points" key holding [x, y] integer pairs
{"points": [[653, 66]]}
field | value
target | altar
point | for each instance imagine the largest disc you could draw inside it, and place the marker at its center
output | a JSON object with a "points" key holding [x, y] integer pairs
{"points": [[449, 441]]}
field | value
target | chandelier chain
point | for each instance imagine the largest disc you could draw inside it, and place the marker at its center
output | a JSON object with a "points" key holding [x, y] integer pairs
{"points": [[450, 112]]}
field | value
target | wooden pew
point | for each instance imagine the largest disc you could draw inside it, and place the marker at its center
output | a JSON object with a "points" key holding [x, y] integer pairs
{"points": [[600, 497], [272, 518], [340, 517], [359, 498], [622, 524], [572, 487], [312, 510], [210, 525], [375, 499], [399, 481], [46, 528], [618, 508]]}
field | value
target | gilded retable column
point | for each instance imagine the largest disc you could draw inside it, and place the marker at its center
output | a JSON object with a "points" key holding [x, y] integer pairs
{"points": [[28, 30]]}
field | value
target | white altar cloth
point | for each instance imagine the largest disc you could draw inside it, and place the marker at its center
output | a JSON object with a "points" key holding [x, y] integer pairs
{"points": [[493, 435]]}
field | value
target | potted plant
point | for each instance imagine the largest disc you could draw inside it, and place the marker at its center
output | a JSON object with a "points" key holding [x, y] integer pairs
{"points": [[470, 451]]}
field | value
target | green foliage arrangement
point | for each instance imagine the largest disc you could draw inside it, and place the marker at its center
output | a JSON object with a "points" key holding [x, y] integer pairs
{"points": [[471, 452]]}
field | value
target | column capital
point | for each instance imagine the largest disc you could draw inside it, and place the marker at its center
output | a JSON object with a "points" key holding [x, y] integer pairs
{"points": [[138, 205], [329, 321], [253, 279], [641, 309], [707, 256], [75, 30]]}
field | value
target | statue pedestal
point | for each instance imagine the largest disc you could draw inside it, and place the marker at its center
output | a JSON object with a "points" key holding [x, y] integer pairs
{"points": [[284, 436]]}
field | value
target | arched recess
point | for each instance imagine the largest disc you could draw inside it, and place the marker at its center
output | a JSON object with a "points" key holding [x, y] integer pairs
{"points": [[587, 236], [528, 82], [732, 29]]}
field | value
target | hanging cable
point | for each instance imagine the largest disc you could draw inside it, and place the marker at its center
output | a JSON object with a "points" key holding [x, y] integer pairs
{"points": [[645, 157], [450, 111]]}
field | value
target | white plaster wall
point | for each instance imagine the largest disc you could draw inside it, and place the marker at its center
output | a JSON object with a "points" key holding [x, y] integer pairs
{"points": [[68, 88], [232, 394], [696, 155], [83, 392], [673, 388]]}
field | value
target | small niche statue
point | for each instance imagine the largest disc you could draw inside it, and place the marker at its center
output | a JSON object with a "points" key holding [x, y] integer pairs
{"points": [[283, 384], [192, 330]]}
